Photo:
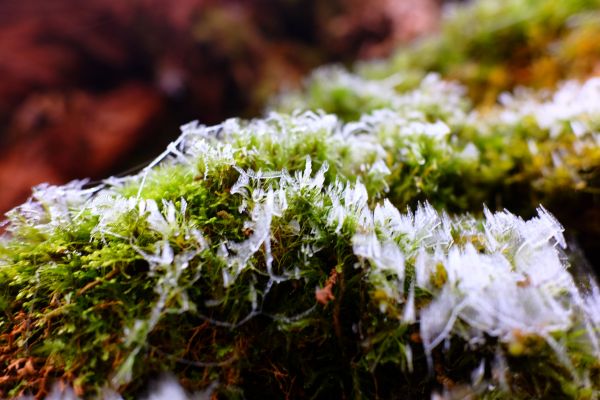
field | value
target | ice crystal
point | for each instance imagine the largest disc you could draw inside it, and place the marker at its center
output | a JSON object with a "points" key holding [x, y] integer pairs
{"points": [[571, 102]]}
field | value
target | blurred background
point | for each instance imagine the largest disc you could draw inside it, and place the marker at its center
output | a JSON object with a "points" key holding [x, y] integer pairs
{"points": [[99, 87]]}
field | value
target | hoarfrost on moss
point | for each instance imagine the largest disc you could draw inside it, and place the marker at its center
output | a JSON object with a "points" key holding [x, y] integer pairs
{"points": [[236, 213], [574, 104]]}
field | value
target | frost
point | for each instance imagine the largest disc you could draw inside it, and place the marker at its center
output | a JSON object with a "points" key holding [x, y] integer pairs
{"points": [[592, 305], [167, 388], [517, 284], [470, 152], [52, 207], [437, 130], [438, 319], [541, 229], [478, 373], [387, 218], [239, 254], [346, 201], [497, 296], [366, 245], [379, 169], [573, 102], [409, 314]]}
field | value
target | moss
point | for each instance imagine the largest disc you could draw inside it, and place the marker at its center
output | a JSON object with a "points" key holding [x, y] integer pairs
{"points": [[112, 286], [514, 43], [316, 255]]}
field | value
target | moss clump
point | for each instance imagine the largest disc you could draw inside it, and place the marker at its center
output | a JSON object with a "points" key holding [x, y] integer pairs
{"points": [[315, 255], [254, 253], [514, 43]]}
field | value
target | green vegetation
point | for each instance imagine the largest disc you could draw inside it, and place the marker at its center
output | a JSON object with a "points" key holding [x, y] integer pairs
{"points": [[329, 254], [493, 46]]}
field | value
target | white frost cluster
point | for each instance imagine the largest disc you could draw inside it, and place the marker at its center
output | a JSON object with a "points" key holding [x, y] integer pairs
{"points": [[52, 207], [432, 94], [166, 388], [507, 280], [574, 104]]}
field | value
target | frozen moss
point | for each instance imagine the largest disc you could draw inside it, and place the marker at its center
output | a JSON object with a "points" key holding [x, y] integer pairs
{"points": [[289, 227], [362, 249], [490, 46]]}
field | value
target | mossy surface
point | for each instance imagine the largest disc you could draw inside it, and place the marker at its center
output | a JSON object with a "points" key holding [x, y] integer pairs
{"points": [[493, 46], [344, 253]]}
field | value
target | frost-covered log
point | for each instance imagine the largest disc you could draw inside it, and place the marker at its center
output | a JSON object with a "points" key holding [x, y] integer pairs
{"points": [[277, 256], [395, 244]]}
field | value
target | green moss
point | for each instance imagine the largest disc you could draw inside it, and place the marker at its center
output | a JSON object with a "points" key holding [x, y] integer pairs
{"points": [[117, 285], [272, 257]]}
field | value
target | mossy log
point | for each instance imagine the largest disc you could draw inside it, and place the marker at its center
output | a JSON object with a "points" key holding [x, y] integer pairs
{"points": [[395, 245]]}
